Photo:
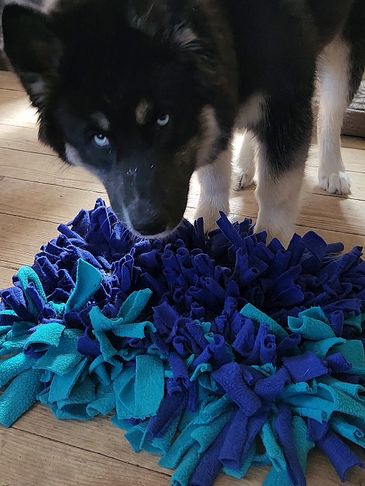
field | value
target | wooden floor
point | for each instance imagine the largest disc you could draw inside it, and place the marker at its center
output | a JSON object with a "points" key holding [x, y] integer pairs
{"points": [[36, 193]]}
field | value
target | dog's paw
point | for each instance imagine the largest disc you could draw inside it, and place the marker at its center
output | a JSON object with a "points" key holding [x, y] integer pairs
{"points": [[210, 214], [335, 183], [242, 179], [284, 233]]}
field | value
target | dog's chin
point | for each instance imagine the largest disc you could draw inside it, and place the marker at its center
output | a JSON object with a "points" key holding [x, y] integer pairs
{"points": [[160, 236]]}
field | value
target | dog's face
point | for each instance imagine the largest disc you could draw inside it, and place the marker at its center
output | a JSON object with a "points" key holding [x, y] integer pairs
{"points": [[130, 107]]}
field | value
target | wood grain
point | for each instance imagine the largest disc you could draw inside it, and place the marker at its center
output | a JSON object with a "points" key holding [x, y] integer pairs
{"points": [[15, 109], [32, 460], [23, 139], [7, 270], [45, 168], [354, 123], [352, 157], [9, 81], [21, 238], [353, 142], [54, 203]]}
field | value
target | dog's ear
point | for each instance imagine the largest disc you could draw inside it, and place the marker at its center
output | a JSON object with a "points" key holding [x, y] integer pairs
{"points": [[32, 49]]}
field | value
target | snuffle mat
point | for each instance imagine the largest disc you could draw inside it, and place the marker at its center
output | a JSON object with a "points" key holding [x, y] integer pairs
{"points": [[217, 353]]}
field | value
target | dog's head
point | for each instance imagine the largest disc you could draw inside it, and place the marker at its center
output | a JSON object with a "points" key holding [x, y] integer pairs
{"points": [[124, 92]]}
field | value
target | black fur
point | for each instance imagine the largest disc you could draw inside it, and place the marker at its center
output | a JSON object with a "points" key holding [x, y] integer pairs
{"points": [[93, 56]]}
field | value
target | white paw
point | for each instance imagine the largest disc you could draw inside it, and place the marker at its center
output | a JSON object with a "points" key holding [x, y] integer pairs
{"points": [[210, 213], [242, 179], [283, 232], [335, 183]]}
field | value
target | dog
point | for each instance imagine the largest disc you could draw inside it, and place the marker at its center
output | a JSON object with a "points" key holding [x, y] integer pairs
{"points": [[143, 93]]}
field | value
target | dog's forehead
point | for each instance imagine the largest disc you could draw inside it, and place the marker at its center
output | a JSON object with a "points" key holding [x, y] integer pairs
{"points": [[141, 110]]}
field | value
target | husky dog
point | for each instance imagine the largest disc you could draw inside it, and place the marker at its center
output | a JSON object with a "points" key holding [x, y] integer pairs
{"points": [[145, 92]]}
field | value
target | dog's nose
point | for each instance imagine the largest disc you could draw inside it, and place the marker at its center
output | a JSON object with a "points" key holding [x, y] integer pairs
{"points": [[148, 226]]}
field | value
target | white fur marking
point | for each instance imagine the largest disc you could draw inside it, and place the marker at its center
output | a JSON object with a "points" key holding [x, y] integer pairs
{"points": [[334, 91], [73, 156], [279, 200], [244, 167], [215, 183]]}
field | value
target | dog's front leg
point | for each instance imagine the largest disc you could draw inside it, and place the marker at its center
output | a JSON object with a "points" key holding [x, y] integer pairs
{"points": [[278, 196], [215, 184], [282, 152]]}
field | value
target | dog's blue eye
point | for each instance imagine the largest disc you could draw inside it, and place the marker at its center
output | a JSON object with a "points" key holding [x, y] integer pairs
{"points": [[163, 120], [101, 140]]}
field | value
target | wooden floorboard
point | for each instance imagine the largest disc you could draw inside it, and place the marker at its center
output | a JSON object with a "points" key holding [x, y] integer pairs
{"points": [[8, 81], [37, 192], [33, 460], [22, 139]]}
